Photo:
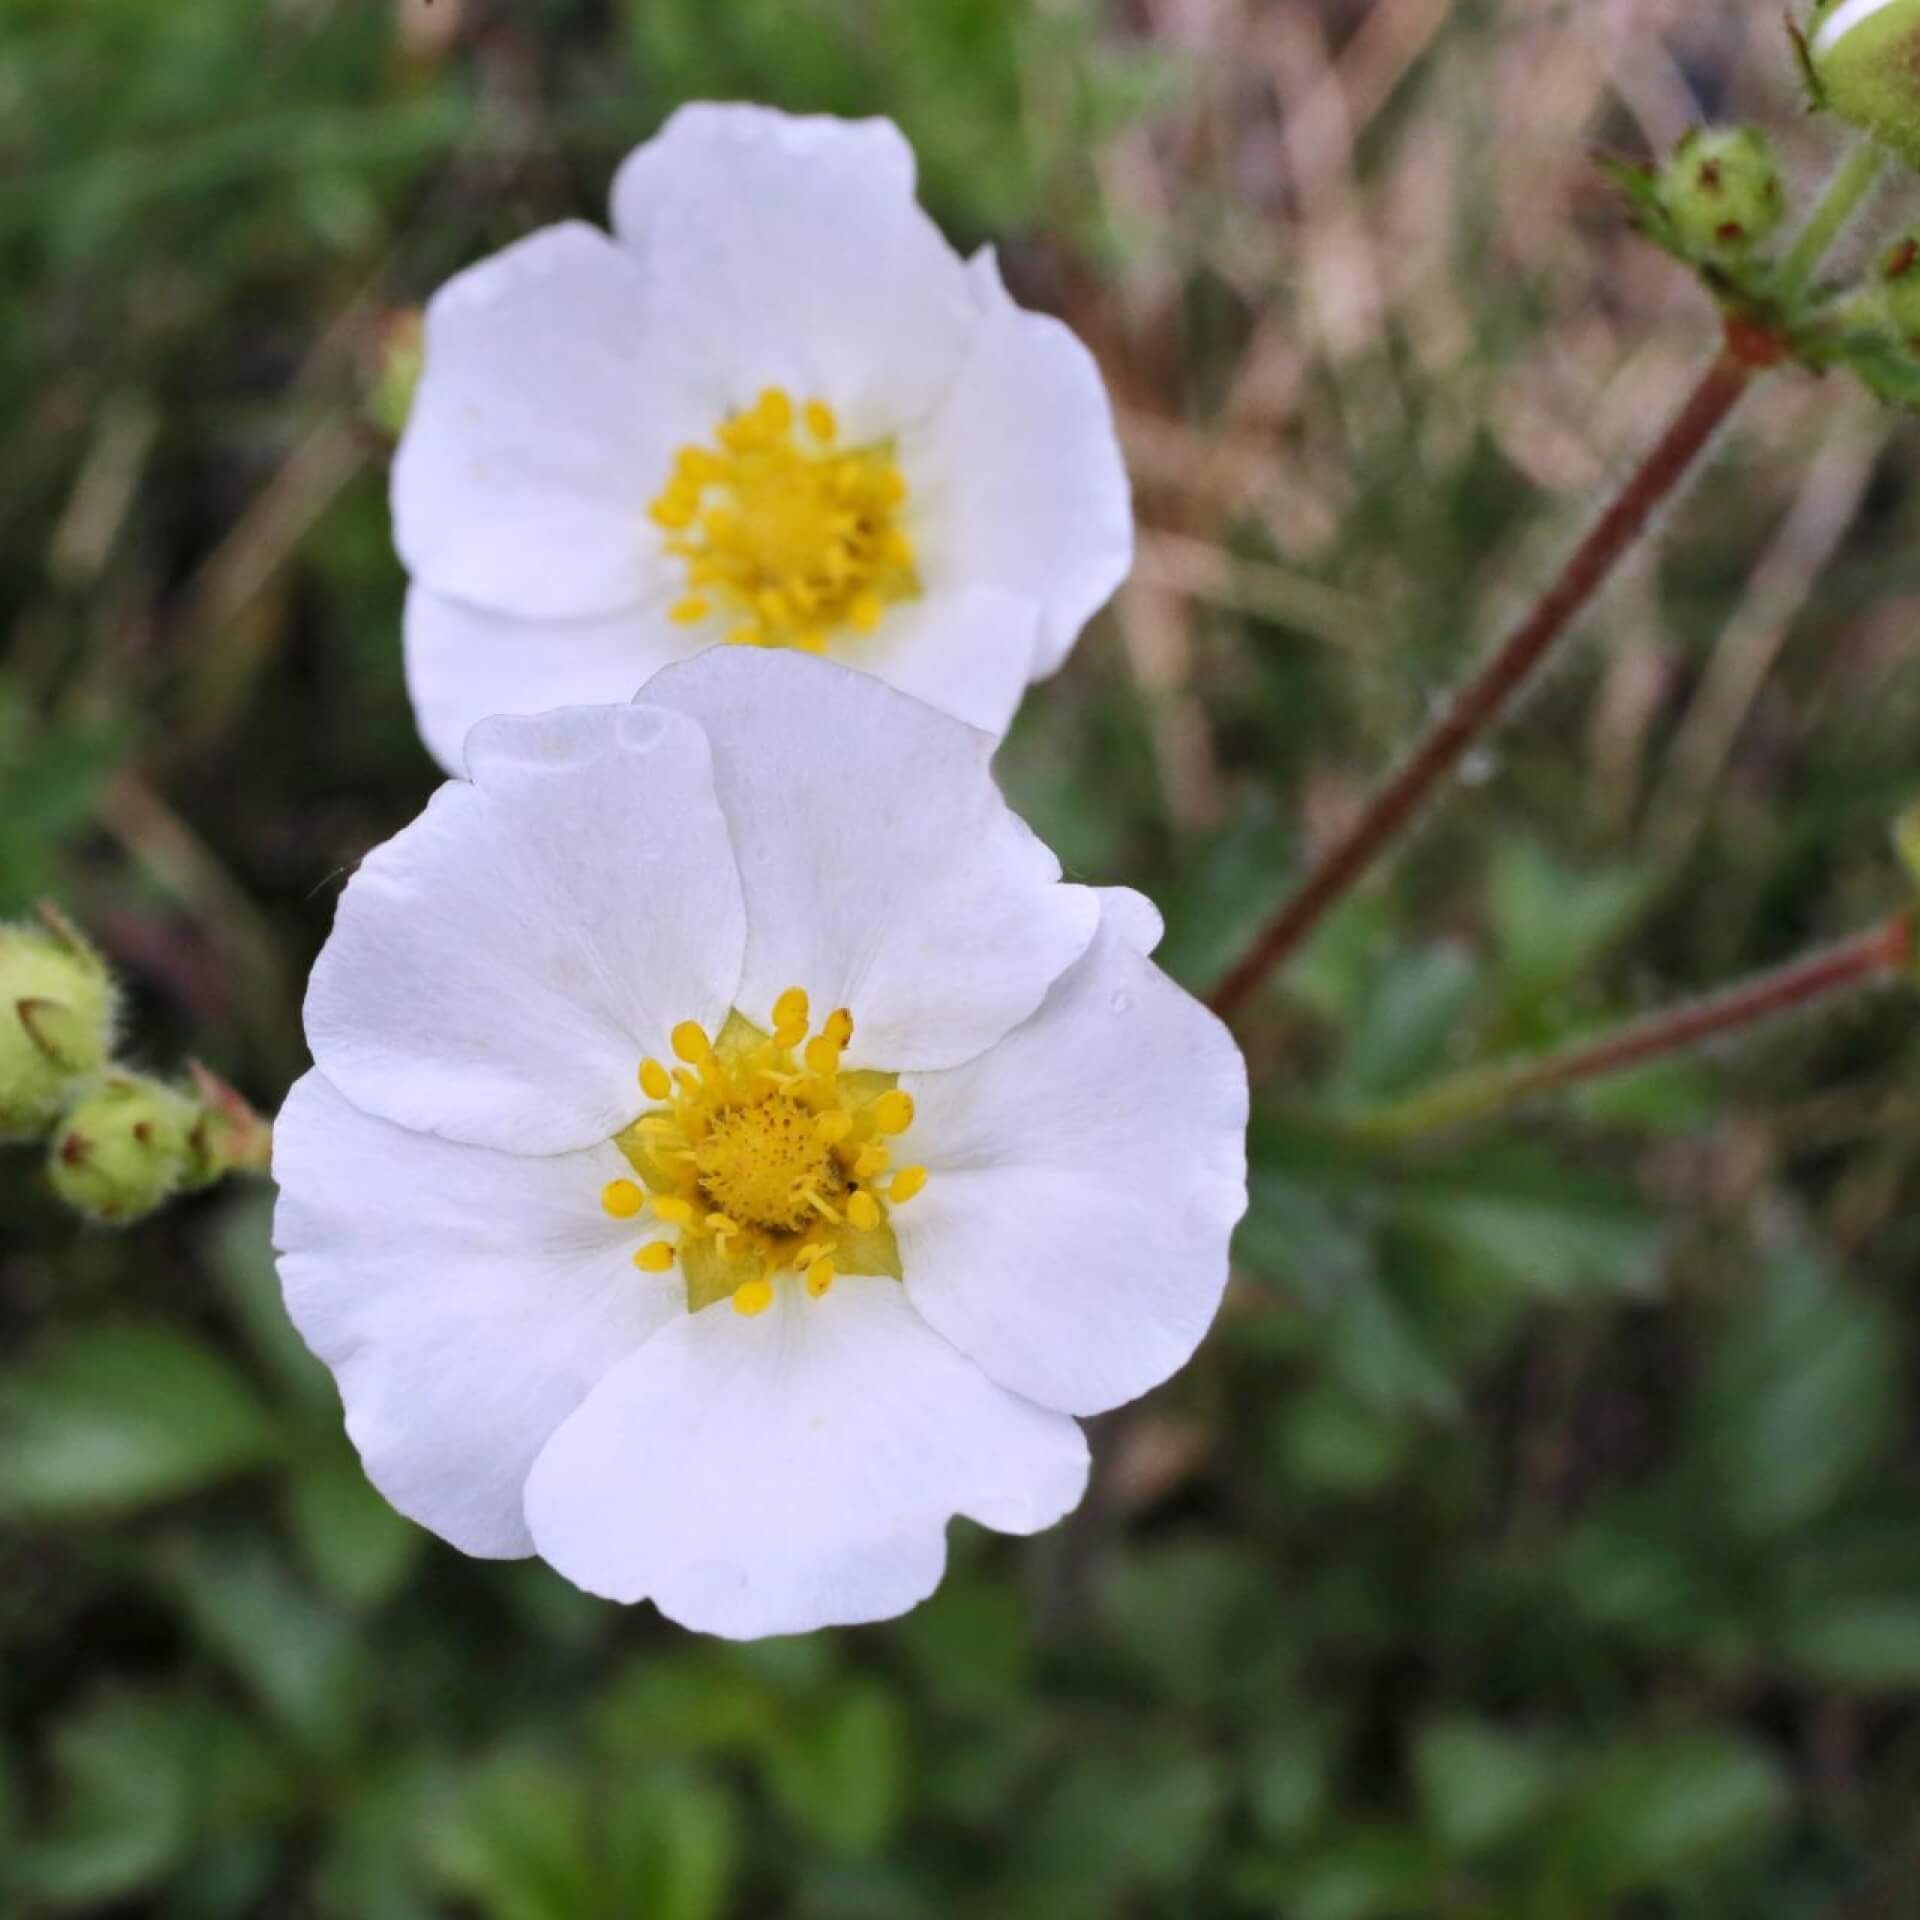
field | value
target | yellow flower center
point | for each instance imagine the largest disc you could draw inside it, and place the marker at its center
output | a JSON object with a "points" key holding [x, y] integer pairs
{"points": [[761, 1155], [786, 534]]}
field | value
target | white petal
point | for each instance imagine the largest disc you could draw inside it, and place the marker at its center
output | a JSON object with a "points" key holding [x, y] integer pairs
{"points": [[1018, 480], [883, 872], [539, 434], [466, 1301], [499, 968], [969, 653], [789, 251], [793, 1470], [1133, 917], [1084, 1180], [464, 664]]}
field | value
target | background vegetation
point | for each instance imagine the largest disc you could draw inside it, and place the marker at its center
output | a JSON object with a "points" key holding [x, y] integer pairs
{"points": [[1537, 1536]]}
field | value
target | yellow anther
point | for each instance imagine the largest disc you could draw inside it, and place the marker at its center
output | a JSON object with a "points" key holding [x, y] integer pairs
{"points": [[839, 1027], [893, 1111], [688, 1083], [791, 1012], [906, 1183], [685, 613], [673, 511], [718, 1223], [748, 636], [810, 642], [807, 1255], [655, 1257], [821, 422], [819, 1277], [871, 1159], [822, 1056], [655, 1082], [622, 1199], [819, 1206], [775, 410], [673, 1210], [864, 1211], [833, 1126], [690, 1042], [866, 612], [751, 1297]]}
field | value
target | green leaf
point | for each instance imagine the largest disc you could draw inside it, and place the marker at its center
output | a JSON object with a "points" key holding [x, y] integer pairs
{"points": [[350, 1539], [515, 1842], [1871, 1645], [1650, 1814], [1406, 1029], [1800, 1398], [297, 1656], [1551, 925], [840, 1769], [142, 1778], [1479, 1786], [121, 1417]]}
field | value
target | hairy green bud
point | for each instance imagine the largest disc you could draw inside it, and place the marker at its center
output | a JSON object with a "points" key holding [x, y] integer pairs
{"points": [[124, 1150], [56, 1022], [1864, 60], [1722, 193]]}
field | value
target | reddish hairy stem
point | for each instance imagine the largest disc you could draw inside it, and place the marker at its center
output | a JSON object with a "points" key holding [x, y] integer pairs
{"points": [[1481, 702], [1862, 960]]}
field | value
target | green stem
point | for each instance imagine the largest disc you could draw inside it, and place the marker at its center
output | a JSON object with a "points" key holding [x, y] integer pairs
{"points": [[1852, 181], [1865, 960]]}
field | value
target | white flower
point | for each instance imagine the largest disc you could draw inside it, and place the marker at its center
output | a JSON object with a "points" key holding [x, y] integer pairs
{"points": [[774, 407], [732, 1151]]}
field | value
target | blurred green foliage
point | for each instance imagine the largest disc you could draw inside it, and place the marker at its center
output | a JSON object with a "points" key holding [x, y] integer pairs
{"points": [[1536, 1538]]}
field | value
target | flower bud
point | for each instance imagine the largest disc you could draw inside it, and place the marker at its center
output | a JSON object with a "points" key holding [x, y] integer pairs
{"points": [[56, 1022], [123, 1150], [1722, 193], [1864, 59]]}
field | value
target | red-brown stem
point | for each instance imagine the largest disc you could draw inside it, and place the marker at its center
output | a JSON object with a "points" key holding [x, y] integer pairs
{"points": [[1862, 960], [1486, 696]]}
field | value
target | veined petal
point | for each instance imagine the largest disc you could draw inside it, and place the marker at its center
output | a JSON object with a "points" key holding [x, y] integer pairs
{"points": [[882, 870], [793, 1470], [464, 664], [466, 1301], [787, 250], [499, 968], [1084, 1181], [1019, 478], [539, 433]]}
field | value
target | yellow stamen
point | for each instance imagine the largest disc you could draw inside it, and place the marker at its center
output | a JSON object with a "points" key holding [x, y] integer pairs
{"points": [[864, 1211], [893, 1111], [839, 1027], [795, 536], [906, 1183], [822, 1055], [790, 1010], [833, 1126], [752, 1297], [655, 1257], [820, 1275], [871, 1159], [622, 1199], [673, 1210], [690, 1042], [655, 1082]]}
